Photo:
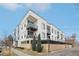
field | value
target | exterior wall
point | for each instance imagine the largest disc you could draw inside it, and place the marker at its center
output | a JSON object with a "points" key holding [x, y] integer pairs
{"points": [[27, 46], [55, 47], [45, 47], [68, 46]]}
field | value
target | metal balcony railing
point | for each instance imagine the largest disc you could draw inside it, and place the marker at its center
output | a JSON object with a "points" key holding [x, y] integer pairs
{"points": [[30, 25], [29, 36]]}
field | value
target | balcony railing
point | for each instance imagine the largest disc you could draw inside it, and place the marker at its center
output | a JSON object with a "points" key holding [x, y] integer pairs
{"points": [[29, 36], [33, 26]]}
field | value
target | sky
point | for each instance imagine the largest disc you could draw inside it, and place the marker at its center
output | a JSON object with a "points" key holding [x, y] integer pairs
{"points": [[63, 15]]}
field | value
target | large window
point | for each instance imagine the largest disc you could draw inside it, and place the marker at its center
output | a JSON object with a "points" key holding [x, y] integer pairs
{"points": [[24, 25], [55, 32], [27, 41], [55, 38], [43, 35], [30, 34], [61, 36], [23, 42], [24, 35], [52, 30], [21, 37], [57, 35], [21, 27], [43, 25], [52, 37], [30, 22]]}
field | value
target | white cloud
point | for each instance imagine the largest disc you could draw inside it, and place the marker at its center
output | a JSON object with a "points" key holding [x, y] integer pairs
{"points": [[43, 6], [11, 6], [37, 6], [29, 5]]}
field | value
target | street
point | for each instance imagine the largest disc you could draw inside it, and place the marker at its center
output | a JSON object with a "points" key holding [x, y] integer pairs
{"points": [[66, 52]]}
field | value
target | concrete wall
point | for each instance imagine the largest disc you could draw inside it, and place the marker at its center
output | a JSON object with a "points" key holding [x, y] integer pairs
{"points": [[53, 47], [26, 46]]}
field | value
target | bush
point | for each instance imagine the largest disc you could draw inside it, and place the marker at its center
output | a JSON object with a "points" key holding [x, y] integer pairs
{"points": [[39, 47]]}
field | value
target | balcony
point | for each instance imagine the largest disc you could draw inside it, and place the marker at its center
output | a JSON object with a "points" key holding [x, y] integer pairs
{"points": [[29, 36], [48, 32], [32, 27]]}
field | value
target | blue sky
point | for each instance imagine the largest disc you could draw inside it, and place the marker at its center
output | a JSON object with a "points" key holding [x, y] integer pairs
{"points": [[64, 16]]}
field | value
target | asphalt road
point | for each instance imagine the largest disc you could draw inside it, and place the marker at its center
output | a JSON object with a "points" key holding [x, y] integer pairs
{"points": [[66, 52]]}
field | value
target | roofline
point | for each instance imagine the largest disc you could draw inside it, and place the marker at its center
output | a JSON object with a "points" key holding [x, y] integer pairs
{"points": [[45, 20], [37, 15]]}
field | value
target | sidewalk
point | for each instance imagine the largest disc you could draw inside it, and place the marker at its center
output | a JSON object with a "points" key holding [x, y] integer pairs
{"points": [[19, 53]]}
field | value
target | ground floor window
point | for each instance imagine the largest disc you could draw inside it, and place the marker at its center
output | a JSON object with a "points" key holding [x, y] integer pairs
{"points": [[27, 41], [43, 35], [23, 42]]}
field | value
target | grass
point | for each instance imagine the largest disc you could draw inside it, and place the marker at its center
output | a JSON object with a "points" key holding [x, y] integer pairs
{"points": [[7, 52], [33, 53]]}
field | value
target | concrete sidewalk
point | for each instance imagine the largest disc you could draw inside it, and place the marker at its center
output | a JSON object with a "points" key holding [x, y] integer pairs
{"points": [[19, 53]]}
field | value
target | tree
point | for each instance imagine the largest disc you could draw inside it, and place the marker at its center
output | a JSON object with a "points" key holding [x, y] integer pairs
{"points": [[10, 38], [34, 44], [8, 41], [39, 47], [8, 44]]}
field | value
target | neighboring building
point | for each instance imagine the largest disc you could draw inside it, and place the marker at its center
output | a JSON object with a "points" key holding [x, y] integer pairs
{"points": [[31, 25], [72, 41]]}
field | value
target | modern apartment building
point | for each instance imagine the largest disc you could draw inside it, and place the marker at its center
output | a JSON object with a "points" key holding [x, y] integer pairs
{"points": [[32, 24]]}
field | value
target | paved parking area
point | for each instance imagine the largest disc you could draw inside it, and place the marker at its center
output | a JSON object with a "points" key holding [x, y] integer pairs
{"points": [[66, 52]]}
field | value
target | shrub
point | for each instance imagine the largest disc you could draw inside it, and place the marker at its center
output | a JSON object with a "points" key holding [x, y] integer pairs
{"points": [[39, 47], [34, 44]]}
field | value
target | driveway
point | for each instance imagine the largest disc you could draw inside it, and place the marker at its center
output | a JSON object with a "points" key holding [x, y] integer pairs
{"points": [[19, 53], [66, 52]]}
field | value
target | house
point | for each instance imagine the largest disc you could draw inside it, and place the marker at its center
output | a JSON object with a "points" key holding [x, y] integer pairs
{"points": [[52, 38]]}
